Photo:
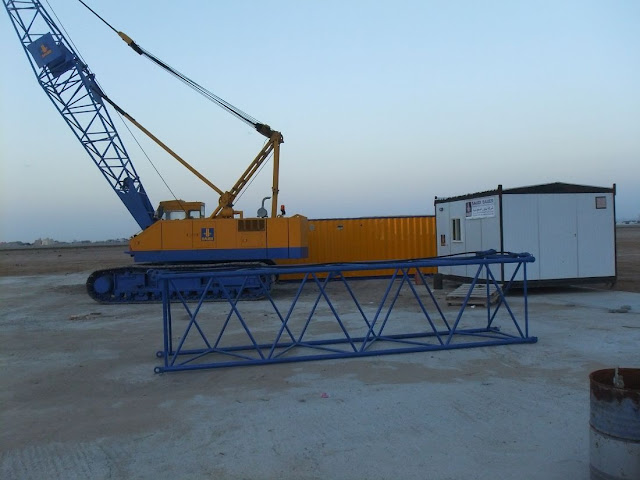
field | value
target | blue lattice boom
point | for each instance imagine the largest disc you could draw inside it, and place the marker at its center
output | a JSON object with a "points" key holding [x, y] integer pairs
{"points": [[327, 315], [73, 90]]}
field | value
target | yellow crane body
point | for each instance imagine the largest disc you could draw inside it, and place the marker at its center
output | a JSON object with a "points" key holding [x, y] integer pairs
{"points": [[222, 239]]}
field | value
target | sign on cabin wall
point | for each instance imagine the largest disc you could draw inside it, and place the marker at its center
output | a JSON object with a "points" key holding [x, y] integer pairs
{"points": [[480, 208]]}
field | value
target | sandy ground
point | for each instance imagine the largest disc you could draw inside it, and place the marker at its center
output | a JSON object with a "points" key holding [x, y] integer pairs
{"points": [[628, 258], [79, 398]]}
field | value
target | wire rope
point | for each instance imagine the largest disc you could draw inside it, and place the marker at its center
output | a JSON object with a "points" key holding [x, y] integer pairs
{"points": [[96, 14], [245, 117], [259, 126], [147, 156], [76, 49], [237, 199], [135, 139]]}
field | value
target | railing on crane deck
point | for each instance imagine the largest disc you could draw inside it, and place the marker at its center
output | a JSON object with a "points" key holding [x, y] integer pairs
{"points": [[327, 315]]}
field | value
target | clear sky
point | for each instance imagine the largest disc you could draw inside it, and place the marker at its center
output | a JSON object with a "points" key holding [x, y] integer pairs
{"points": [[383, 105]]}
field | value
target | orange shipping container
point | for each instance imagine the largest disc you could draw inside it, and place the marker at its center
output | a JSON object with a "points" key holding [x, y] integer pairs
{"points": [[343, 240]]}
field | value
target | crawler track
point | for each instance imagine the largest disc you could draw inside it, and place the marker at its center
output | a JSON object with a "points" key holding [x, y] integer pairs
{"points": [[139, 284]]}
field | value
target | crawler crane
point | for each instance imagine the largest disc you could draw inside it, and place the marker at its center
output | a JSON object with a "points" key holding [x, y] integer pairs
{"points": [[177, 235]]}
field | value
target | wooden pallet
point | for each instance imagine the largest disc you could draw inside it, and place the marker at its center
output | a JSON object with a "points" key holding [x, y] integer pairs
{"points": [[478, 295]]}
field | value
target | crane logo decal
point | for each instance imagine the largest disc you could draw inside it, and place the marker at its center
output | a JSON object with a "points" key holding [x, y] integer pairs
{"points": [[44, 51], [206, 234]]}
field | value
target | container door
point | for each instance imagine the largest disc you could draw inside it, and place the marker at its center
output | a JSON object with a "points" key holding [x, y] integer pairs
{"points": [[558, 236], [596, 235]]}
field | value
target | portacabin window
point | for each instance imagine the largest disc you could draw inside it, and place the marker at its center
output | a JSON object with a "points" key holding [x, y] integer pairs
{"points": [[456, 230]]}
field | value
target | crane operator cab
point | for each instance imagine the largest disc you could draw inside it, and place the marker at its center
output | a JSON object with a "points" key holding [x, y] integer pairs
{"points": [[179, 210]]}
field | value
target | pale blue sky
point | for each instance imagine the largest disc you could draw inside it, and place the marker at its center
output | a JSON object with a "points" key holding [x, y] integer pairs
{"points": [[383, 105]]}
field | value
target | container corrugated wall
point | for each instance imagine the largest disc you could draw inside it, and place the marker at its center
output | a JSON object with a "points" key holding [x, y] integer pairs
{"points": [[371, 238]]}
